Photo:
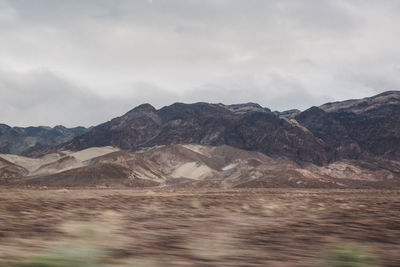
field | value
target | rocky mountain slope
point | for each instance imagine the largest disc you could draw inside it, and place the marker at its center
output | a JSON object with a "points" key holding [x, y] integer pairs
{"points": [[343, 130], [354, 143], [21, 141], [251, 128], [358, 128]]}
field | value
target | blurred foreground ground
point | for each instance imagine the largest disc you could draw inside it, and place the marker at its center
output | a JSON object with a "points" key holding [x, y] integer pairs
{"points": [[248, 227]]}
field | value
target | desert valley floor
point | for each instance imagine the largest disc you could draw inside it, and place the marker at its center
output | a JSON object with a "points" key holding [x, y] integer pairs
{"points": [[237, 227]]}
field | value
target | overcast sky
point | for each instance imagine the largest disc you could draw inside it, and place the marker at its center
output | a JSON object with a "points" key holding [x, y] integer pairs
{"points": [[83, 62]]}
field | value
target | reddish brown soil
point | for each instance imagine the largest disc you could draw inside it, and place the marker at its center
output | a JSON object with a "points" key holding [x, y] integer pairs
{"points": [[246, 227]]}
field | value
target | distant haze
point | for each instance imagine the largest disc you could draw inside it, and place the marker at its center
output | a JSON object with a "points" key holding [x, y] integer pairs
{"points": [[82, 62]]}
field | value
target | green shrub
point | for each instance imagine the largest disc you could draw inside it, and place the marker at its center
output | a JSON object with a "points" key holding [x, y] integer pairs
{"points": [[349, 256], [65, 257]]}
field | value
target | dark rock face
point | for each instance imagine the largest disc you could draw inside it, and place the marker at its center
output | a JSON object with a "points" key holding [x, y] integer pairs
{"points": [[358, 128], [324, 126], [22, 141], [377, 131], [207, 124], [267, 133], [145, 126], [130, 131], [200, 123]]}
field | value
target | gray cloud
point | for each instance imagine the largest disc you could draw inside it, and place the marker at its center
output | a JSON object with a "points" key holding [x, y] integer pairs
{"points": [[39, 97], [85, 61]]}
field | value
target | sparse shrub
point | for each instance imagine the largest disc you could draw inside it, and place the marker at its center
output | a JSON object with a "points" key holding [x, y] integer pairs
{"points": [[80, 251], [65, 257], [349, 256], [195, 204]]}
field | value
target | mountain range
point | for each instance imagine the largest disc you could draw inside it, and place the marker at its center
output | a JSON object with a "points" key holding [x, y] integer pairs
{"points": [[21, 141], [353, 143]]}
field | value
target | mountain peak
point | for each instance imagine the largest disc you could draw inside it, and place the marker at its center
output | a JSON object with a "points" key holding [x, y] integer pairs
{"points": [[364, 104], [387, 93], [143, 108], [246, 108]]}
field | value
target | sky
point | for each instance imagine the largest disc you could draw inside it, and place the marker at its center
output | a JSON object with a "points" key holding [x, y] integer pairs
{"points": [[83, 62]]}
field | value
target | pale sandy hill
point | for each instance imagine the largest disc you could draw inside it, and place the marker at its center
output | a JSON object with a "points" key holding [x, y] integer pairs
{"points": [[31, 164], [9, 170], [93, 152], [193, 166], [192, 170], [57, 162]]}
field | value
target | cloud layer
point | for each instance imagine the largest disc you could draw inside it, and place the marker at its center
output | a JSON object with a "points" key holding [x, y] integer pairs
{"points": [[81, 62]]}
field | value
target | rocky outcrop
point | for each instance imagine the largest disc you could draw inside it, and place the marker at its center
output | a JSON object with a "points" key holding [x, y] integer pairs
{"points": [[288, 114], [246, 108]]}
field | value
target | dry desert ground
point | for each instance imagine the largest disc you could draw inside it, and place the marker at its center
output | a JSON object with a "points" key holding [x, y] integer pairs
{"points": [[241, 227]]}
